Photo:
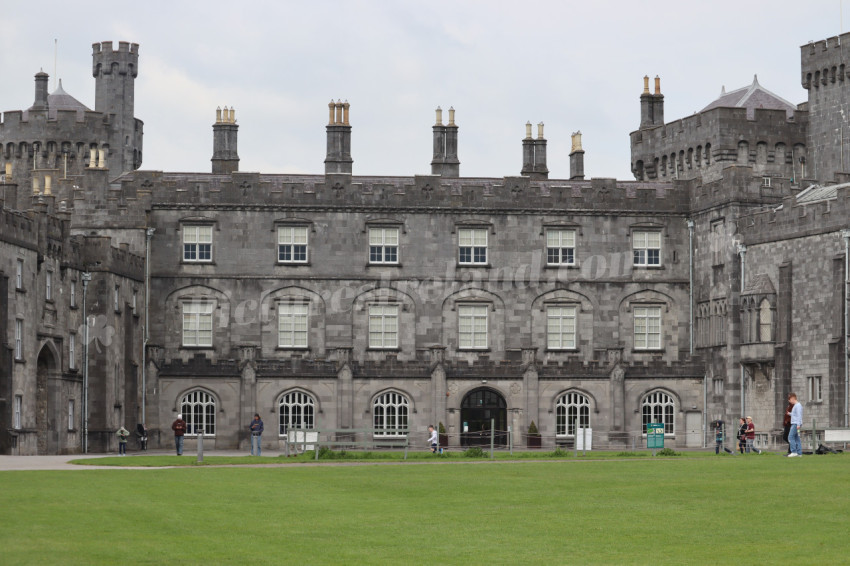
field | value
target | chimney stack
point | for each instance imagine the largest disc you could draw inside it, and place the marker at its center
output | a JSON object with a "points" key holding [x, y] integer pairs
{"points": [[40, 91], [658, 104], [534, 154], [225, 159], [338, 158], [445, 161], [576, 158]]}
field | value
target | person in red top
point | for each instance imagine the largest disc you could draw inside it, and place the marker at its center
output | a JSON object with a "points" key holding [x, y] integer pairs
{"points": [[786, 422], [751, 436], [179, 428]]}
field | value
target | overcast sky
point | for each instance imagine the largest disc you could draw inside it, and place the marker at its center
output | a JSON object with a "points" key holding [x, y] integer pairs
{"points": [[572, 65]]}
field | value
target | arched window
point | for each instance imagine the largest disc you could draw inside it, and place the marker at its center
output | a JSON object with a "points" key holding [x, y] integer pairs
{"points": [[765, 321], [198, 408], [389, 413], [658, 407], [572, 410], [296, 411]]}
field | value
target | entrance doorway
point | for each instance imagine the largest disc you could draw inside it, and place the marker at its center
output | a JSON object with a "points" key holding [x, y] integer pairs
{"points": [[479, 408]]}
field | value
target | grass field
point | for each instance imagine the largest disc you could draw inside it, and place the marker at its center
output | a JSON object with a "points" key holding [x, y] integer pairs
{"points": [[724, 510]]}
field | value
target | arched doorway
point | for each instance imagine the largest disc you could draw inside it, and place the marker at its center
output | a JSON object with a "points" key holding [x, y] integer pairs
{"points": [[45, 367], [479, 408]]}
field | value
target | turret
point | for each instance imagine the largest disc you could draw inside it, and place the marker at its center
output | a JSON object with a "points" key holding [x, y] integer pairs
{"points": [[225, 159], [338, 158], [115, 73], [445, 161], [40, 103]]}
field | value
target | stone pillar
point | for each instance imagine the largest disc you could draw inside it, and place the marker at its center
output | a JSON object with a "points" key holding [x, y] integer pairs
{"points": [[438, 385], [531, 385], [248, 395], [345, 389]]}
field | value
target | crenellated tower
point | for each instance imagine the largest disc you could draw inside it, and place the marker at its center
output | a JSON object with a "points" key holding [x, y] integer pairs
{"points": [[115, 72]]}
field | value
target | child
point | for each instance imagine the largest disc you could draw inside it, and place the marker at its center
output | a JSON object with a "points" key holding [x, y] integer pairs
{"points": [[122, 433], [718, 436], [433, 439]]}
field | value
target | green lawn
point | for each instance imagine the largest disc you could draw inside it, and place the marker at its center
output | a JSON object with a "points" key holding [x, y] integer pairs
{"points": [[723, 510]]}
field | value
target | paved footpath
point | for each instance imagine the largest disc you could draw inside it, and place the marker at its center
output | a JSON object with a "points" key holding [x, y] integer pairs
{"points": [[62, 462]]}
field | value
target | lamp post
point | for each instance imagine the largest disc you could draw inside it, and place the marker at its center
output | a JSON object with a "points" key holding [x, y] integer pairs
{"points": [[86, 277]]}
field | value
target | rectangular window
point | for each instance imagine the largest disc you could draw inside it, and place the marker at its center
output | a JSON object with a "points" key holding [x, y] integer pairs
{"points": [[197, 243], [48, 285], [813, 383], [472, 327], [383, 245], [472, 244], [197, 324], [560, 247], [718, 387], [383, 326], [71, 415], [73, 294], [19, 274], [19, 337], [292, 244], [115, 300], [647, 328], [646, 247], [135, 300], [72, 351], [292, 319], [561, 327], [16, 418]]}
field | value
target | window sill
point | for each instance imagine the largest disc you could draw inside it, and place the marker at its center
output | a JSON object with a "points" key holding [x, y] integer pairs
{"points": [[49, 301], [647, 350], [474, 265], [473, 350], [391, 349], [562, 350], [190, 262], [20, 290], [293, 263], [562, 266], [648, 266], [294, 349], [371, 264], [20, 361], [74, 307], [184, 347]]}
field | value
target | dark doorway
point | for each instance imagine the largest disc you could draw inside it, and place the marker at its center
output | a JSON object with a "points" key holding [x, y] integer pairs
{"points": [[44, 366], [477, 410]]}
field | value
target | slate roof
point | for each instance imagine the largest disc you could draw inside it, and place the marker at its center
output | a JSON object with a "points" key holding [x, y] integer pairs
{"points": [[751, 97], [818, 193], [61, 100], [759, 285]]}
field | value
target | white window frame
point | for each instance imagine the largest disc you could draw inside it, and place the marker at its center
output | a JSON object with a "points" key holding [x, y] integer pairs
{"points": [[291, 239], [560, 246], [18, 409], [293, 324], [48, 286], [296, 411], [659, 401], [644, 242], [390, 415], [472, 243], [73, 294], [71, 415], [135, 300], [19, 339], [19, 274], [561, 327], [718, 386], [473, 327], [383, 326], [572, 411], [814, 387], [204, 418], [384, 245], [194, 313], [72, 351], [647, 327], [197, 243]]}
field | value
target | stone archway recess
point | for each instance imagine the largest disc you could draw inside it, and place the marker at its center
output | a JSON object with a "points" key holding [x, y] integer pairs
{"points": [[44, 367], [478, 408]]}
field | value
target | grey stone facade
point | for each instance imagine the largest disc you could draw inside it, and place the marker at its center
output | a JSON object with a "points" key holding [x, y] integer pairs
{"points": [[697, 292]]}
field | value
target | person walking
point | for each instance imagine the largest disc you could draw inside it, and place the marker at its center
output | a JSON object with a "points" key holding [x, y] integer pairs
{"points": [[786, 422], [179, 428], [256, 428], [122, 433], [751, 436], [433, 439], [796, 424], [718, 436], [742, 434]]}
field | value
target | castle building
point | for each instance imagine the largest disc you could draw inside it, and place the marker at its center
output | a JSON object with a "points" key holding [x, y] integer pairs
{"points": [[709, 286]]}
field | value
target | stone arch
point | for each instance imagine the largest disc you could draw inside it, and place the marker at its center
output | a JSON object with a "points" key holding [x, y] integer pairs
{"points": [[173, 319], [306, 419], [47, 399], [474, 296], [192, 424], [389, 415], [269, 318], [642, 298], [674, 397], [563, 415], [404, 309], [586, 307]]}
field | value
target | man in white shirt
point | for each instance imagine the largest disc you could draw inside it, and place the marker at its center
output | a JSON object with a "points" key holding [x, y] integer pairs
{"points": [[796, 425]]}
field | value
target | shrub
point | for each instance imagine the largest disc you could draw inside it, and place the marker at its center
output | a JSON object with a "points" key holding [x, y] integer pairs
{"points": [[440, 428], [474, 452], [629, 455], [559, 453], [668, 452], [532, 430]]}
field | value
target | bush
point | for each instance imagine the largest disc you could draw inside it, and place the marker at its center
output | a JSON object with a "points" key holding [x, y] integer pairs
{"points": [[441, 429], [559, 453], [630, 455], [474, 452], [668, 452], [532, 429]]}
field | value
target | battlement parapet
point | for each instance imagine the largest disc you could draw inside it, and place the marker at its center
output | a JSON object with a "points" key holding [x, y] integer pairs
{"points": [[822, 62], [174, 190], [797, 217], [198, 366], [106, 60], [99, 255], [18, 228]]}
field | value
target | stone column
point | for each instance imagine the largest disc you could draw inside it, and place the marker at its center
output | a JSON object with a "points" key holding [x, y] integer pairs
{"points": [[345, 389], [248, 395], [531, 385]]}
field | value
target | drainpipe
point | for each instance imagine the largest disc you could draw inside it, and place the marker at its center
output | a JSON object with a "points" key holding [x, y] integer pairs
{"points": [[148, 235], [704, 410], [691, 280], [86, 277], [742, 251], [846, 235]]}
